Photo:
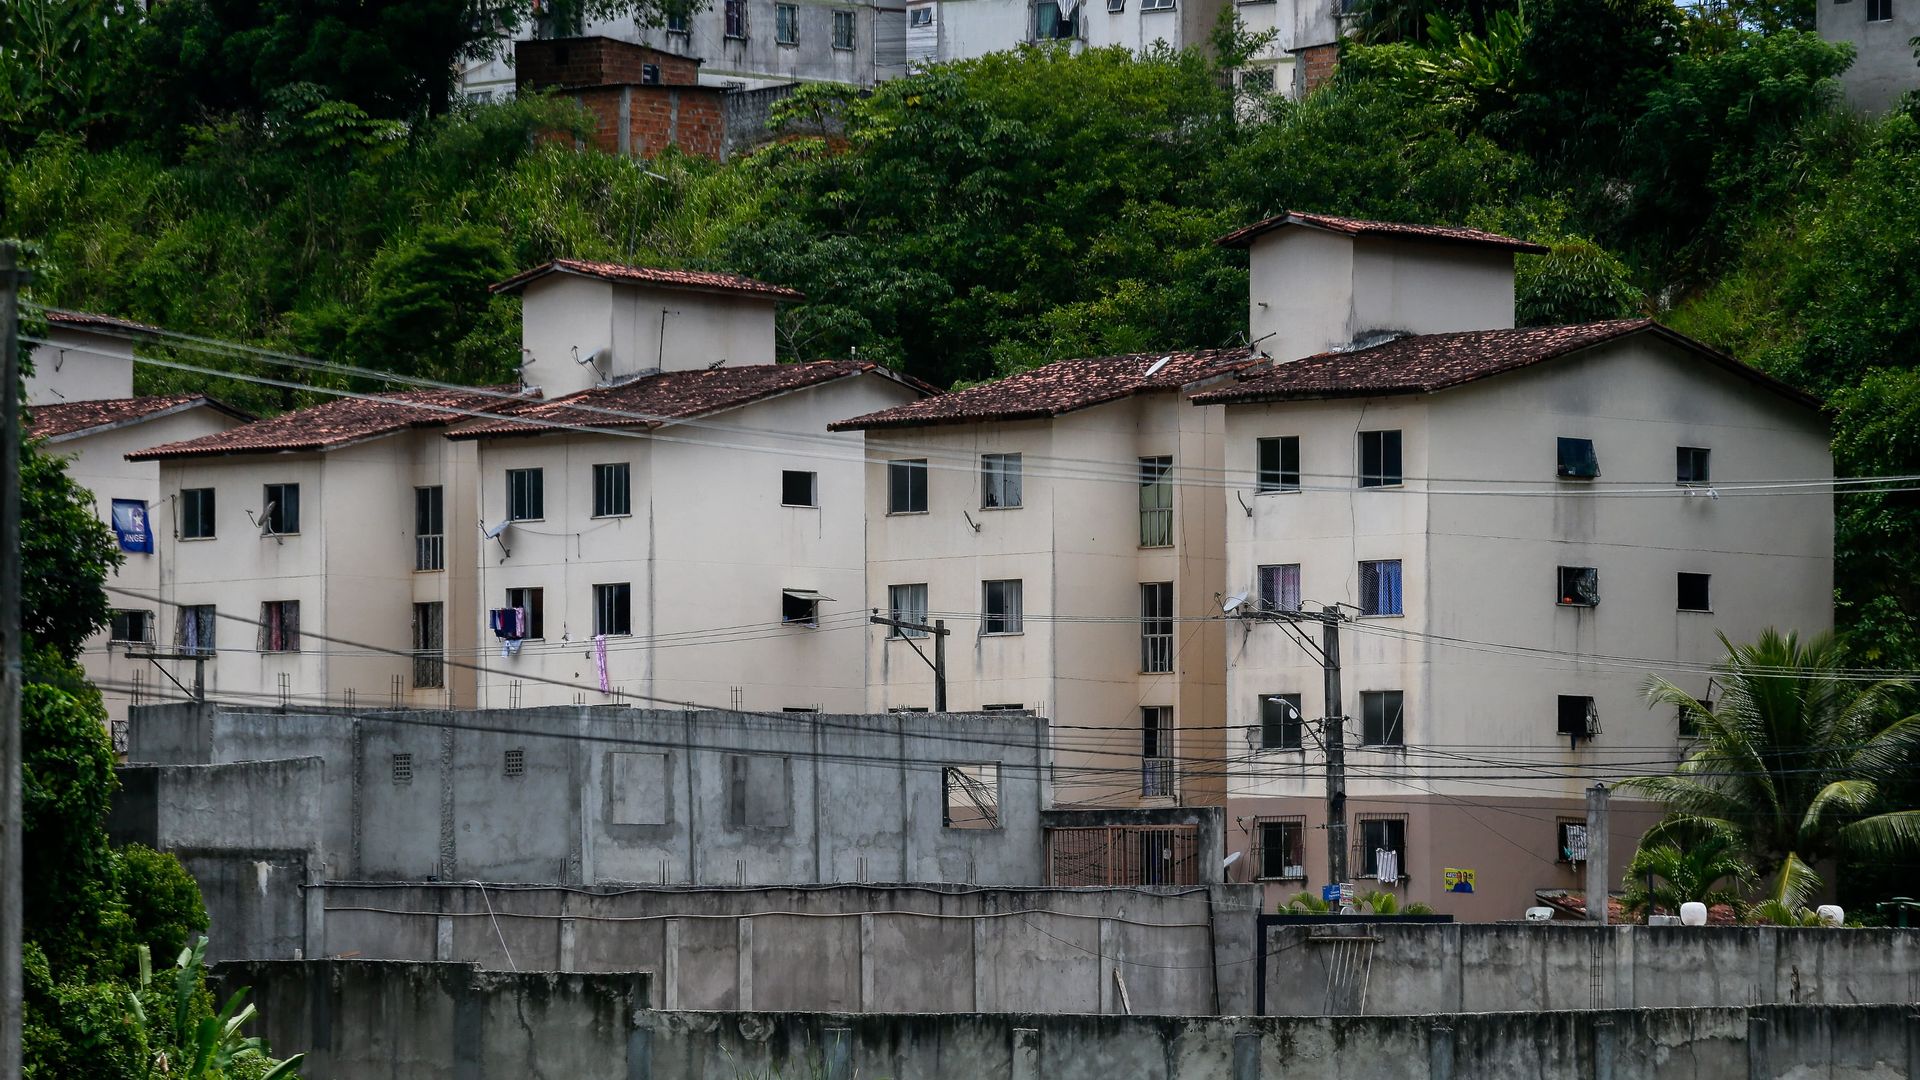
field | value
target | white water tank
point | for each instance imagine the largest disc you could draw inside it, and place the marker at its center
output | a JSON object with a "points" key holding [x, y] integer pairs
{"points": [[1539, 914], [1831, 915], [1693, 913]]}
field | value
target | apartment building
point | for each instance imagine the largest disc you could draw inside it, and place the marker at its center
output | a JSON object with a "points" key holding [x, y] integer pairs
{"points": [[1882, 33], [81, 407], [1518, 526], [674, 525], [325, 556], [1066, 524], [939, 31]]}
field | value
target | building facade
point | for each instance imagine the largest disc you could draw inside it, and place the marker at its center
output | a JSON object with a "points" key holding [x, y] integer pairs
{"points": [[1518, 528], [1881, 32], [1063, 524]]}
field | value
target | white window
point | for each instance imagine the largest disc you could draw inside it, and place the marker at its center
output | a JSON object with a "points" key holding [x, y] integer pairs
{"points": [[999, 481], [613, 609], [1879, 10], [1115, 7], [429, 528], [907, 486], [1280, 721], [1001, 607], [735, 15], [1156, 5], [677, 23], [907, 603], [1279, 457], [526, 495], [1691, 465], [612, 490], [1156, 626], [786, 24], [1156, 502], [1156, 751], [920, 17], [843, 30], [133, 626], [1282, 848]]}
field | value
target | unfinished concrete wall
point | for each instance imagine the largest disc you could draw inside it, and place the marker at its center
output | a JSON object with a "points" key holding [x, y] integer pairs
{"points": [[1385, 970], [584, 795], [362, 1020], [835, 948]]}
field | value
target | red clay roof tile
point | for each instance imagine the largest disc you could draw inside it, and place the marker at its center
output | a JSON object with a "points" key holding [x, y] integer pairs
{"points": [[698, 280], [87, 320], [60, 419], [1061, 387], [341, 421], [1355, 227]]}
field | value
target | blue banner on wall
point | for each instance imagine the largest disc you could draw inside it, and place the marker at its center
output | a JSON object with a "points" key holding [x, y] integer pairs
{"points": [[130, 525]]}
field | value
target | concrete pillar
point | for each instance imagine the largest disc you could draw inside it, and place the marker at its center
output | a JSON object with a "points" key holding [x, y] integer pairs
{"points": [[744, 984], [839, 1053], [980, 995], [670, 965], [623, 134], [1026, 1054], [314, 936], [1440, 1052], [1625, 941], [867, 1003], [1759, 1055], [1246, 1056], [640, 1053], [1603, 1046], [1597, 875], [1109, 996], [1913, 1044], [443, 938], [566, 945]]}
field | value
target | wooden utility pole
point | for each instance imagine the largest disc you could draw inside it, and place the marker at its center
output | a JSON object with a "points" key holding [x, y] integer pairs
{"points": [[11, 896], [938, 663]]}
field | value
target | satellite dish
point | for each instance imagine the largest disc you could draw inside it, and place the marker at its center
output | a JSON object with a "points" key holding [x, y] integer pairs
{"points": [[1231, 859], [266, 519], [1154, 368], [493, 531], [1233, 601]]}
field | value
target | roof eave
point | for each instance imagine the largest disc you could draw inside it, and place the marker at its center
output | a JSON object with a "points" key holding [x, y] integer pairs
{"points": [[773, 293]]}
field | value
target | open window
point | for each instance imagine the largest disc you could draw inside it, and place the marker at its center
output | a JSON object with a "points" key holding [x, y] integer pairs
{"points": [[532, 602], [1002, 608], [132, 627], [1578, 718], [801, 607], [1280, 848], [1695, 592], [279, 626], [1570, 840], [1383, 718], [613, 609], [970, 796], [280, 513], [1579, 586], [1280, 721], [799, 488], [1577, 460], [1382, 848], [1692, 465]]}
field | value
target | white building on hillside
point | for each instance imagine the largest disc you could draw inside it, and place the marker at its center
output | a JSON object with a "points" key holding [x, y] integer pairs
{"points": [[80, 406], [674, 524], [1522, 527]]}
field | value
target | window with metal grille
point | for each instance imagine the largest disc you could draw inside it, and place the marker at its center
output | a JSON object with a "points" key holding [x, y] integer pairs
{"points": [[999, 481], [907, 486], [1579, 586], [196, 514], [1879, 10], [1379, 459], [281, 509], [612, 490], [1156, 626], [1280, 587], [907, 603], [1577, 460], [786, 24], [677, 23], [1695, 592], [1578, 719], [970, 796], [1377, 834], [429, 529], [402, 766], [1001, 607], [1279, 466], [798, 488], [1280, 721], [1382, 718], [533, 602], [1156, 502], [193, 632], [1380, 592], [613, 609], [526, 495], [1692, 465], [735, 17], [429, 646], [1156, 751], [1570, 840], [843, 30], [132, 626], [1280, 848], [515, 763], [279, 626], [1003, 706]]}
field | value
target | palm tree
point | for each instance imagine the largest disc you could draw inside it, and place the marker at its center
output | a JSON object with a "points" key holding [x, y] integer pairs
{"points": [[1789, 761], [1686, 864]]}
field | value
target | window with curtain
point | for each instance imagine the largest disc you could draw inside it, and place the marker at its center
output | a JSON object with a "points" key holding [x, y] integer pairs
{"points": [[1280, 587], [194, 632], [1001, 607], [1156, 626], [909, 604], [279, 626], [999, 481], [1156, 502], [1380, 587]]}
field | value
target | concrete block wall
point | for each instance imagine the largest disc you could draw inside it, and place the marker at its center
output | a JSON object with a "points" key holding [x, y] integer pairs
{"points": [[362, 1020], [1385, 969], [596, 61]]}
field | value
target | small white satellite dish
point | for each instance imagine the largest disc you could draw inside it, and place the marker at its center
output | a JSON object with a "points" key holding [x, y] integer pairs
{"points": [[1231, 859], [266, 519], [1154, 368], [494, 531], [1233, 601]]}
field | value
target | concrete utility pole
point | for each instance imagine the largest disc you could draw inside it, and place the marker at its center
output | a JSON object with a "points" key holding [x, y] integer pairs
{"points": [[938, 663], [1597, 854], [11, 897], [1334, 735]]}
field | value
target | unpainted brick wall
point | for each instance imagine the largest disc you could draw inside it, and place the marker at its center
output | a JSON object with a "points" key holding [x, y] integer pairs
{"points": [[1317, 65], [596, 61]]}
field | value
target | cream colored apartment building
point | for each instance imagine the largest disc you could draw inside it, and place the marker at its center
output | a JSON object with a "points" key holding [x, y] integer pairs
{"points": [[81, 407], [674, 525], [1519, 528], [1066, 525]]}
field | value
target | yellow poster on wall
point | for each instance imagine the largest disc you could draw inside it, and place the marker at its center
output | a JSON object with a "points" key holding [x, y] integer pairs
{"points": [[1457, 879]]}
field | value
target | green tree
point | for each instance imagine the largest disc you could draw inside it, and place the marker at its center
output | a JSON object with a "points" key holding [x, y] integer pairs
{"points": [[1577, 281], [1686, 865], [1790, 760], [66, 554]]}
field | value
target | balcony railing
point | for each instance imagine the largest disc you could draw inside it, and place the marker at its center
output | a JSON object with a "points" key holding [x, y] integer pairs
{"points": [[1156, 527], [1156, 652], [429, 552], [1156, 778]]}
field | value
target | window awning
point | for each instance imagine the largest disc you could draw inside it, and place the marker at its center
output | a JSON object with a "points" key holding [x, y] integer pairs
{"points": [[806, 594]]}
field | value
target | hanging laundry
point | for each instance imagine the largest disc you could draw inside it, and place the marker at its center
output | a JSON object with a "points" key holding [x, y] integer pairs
{"points": [[510, 647], [600, 662], [1387, 864]]}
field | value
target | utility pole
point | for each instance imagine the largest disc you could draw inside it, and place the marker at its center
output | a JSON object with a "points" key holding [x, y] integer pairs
{"points": [[11, 897], [1334, 737], [938, 663], [1597, 854]]}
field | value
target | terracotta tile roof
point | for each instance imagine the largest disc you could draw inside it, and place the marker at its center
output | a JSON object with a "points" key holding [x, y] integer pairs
{"points": [[339, 422], [1061, 387], [69, 418], [1356, 227], [1426, 363], [86, 320], [698, 280], [652, 400], [1575, 905]]}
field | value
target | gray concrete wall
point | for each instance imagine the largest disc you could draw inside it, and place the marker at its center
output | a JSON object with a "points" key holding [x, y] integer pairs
{"points": [[249, 833], [912, 949], [361, 1020], [642, 796], [1883, 66], [1385, 970]]}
